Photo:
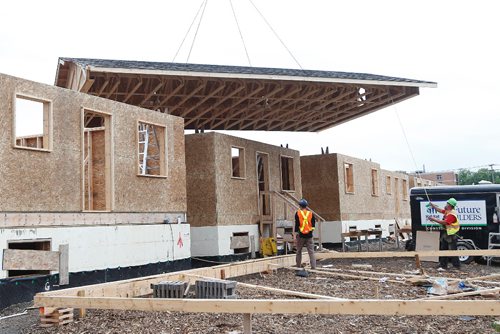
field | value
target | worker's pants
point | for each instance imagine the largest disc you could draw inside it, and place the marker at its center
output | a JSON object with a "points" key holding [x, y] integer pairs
{"points": [[448, 242], [308, 242]]}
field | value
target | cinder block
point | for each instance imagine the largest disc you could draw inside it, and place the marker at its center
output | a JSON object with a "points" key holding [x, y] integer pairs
{"points": [[169, 289], [215, 289]]}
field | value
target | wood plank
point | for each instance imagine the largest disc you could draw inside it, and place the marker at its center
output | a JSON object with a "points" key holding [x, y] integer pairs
{"points": [[81, 312], [280, 306], [63, 264], [247, 323], [27, 259], [358, 277], [463, 294], [366, 255], [239, 241], [20, 220]]}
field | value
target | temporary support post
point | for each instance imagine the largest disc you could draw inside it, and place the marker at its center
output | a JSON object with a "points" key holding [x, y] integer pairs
{"points": [[247, 323]]}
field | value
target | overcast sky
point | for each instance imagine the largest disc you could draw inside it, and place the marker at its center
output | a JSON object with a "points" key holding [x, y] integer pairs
{"points": [[453, 43]]}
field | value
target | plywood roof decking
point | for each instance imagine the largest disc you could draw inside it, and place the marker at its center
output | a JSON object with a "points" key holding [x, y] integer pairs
{"points": [[238, 98]]}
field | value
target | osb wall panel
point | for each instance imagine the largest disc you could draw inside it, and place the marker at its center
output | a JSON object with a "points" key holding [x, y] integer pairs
{"points": [[51, 181], [320, 184], [146, 193], [362, 204], [98, 177], [237, 199], [201, 187]]}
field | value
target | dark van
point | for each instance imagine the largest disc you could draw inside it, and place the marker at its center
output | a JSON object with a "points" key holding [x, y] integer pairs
{"points": [[478, 211]]}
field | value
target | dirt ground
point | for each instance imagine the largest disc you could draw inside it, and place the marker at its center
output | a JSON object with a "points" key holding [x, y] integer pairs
{"points": [[107, 322]]}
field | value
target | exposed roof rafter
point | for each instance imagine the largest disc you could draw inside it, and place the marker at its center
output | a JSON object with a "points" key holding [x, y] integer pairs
{"points": [[238, 98]]}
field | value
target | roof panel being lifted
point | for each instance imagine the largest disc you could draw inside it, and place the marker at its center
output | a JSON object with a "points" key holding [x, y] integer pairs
{"points": [[235, 97]]}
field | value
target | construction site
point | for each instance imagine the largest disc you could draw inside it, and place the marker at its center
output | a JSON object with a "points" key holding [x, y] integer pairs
{"points": [[129, 204]]}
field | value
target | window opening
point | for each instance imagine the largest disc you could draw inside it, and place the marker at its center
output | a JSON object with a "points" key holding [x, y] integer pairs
{"points": [[151, 149], [96, 160], [388, 189], [32, 123], [287, 174], [349, 178], [405, 190], [263, 181], [43, 245], [374, 182], [238, 162]]}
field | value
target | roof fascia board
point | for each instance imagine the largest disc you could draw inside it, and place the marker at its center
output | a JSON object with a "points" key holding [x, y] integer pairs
{"points": [[257, 76]]}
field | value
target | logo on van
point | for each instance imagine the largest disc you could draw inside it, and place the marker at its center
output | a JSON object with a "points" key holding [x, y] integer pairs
{"points": [[470, 213]]}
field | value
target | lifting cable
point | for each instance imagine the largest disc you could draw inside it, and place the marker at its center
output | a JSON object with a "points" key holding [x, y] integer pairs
{"points": [[276, 34], [187, 32], [241, 35], [410, 150], [196, 32]]}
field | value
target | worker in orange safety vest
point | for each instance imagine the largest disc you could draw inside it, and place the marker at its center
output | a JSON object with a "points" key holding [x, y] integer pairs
{"points": [[304, 227]]}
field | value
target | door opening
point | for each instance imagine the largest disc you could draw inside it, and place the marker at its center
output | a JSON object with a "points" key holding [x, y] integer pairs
{"points": [[96, 161]]}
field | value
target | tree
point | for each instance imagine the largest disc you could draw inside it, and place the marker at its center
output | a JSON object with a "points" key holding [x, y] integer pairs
{"points": [[466, 176]]}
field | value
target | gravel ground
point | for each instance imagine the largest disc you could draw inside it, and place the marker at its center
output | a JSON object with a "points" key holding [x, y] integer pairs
{"points": [[108, 322]]}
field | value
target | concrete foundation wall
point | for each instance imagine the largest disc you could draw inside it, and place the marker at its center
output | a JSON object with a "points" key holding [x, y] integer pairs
{"points": [[101, 247], [216, 240], [34, 180]]}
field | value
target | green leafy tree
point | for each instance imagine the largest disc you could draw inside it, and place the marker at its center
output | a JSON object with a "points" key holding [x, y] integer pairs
{"points": [[466, 176]]}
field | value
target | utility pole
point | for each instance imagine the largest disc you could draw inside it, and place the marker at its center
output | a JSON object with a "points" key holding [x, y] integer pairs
{"points": [[492, 174]]}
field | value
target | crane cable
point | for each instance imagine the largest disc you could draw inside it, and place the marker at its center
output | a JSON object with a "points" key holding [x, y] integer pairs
{"points": [[241, 34], [196, 32], [410, 150], [187, 32], [276, 34]]}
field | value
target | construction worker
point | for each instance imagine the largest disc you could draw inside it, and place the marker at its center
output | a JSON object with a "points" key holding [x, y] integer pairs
{"points": [[448, 236], [304, 227]]}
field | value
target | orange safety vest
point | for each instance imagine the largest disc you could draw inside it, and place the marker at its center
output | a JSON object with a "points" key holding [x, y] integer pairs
{"points": [[305, 221], [455, 227]]}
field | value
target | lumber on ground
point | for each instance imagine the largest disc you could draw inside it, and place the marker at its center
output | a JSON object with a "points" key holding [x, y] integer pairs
{"points": [[361, 307], [364, 255]]}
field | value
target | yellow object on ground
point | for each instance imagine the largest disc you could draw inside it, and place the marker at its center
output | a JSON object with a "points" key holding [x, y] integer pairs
{"points": [[268, 247]]}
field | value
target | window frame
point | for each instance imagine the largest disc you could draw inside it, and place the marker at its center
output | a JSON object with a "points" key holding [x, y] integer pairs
{"points": [[347, 176], [374, 182], [47, 122], [388, 185], [242, 162], [291, 178], [163, 152], [404, 185]]}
